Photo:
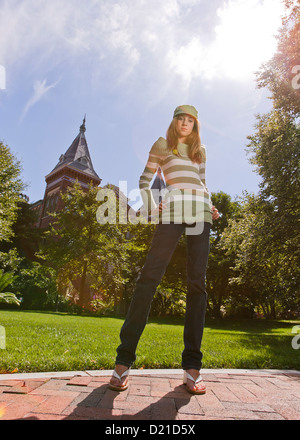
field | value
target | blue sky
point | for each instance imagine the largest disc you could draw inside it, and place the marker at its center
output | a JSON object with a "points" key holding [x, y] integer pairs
{"points": [[127, 64]]}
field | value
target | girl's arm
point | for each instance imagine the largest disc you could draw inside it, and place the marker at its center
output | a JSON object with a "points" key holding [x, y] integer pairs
{"points": [[202, 172], [151, 167], [202, 169]]}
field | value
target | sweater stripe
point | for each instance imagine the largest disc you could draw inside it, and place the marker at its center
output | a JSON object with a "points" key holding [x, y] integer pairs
{"points": [[186, 194]]}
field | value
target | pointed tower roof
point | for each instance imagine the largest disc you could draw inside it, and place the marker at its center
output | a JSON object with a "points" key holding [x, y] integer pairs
{"points": [[77, 156], [158, 184]]}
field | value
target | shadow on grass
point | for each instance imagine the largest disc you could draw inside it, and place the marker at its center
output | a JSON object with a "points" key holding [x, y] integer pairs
{"points": [[244, 325], [216, 323], [249, 325]]}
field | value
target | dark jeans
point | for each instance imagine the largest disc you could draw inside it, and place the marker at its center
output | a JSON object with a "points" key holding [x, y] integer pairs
{"points": [[164, 242]]}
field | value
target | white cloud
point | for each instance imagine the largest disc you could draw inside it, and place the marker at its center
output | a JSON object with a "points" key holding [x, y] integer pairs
{"points": [[151, 42], [99, 26], [40, 89], [244, 38]]}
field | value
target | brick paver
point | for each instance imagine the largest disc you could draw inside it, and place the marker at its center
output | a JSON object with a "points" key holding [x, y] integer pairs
{"points": [[152, 395]]}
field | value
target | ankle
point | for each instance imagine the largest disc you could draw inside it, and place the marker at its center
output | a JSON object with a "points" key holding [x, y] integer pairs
{"points": [[120, 369], [193, 372]]}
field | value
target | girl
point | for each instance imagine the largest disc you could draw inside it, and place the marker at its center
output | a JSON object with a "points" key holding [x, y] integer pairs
{"points": [[186, 208]]}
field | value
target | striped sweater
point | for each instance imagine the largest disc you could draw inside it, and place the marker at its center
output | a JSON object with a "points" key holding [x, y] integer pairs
{"points": [[186, 196]]}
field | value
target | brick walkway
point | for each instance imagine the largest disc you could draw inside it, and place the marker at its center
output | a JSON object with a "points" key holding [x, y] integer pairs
{"points": [[152, 395]]}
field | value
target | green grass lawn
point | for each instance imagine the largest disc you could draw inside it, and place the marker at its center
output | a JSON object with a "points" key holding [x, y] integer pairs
{"points": [[37, 341]]}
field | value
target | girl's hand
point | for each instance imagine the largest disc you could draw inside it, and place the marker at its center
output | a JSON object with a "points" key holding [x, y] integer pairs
{"points": [[162, 206], [215, 213], [158, 209]]}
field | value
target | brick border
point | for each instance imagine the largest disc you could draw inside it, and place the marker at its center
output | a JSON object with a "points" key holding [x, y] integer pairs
{"points": [[151, 395], [142, 372]]}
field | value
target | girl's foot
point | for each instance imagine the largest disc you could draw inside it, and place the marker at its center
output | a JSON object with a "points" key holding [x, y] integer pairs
{"points": [[119, 380], [193, 381]]}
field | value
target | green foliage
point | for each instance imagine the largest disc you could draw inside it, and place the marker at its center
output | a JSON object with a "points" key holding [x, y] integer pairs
{"points": [[6, 279], [220, 262], [10, 188], [88, 257], [264, 241], [37, 285], [32, 282], [279, 73], [138, 241], [277, 157], [25, 237]]}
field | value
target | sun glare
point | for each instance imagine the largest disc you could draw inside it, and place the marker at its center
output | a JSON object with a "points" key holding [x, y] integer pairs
{"points": [[2, 411], [244, 39]]}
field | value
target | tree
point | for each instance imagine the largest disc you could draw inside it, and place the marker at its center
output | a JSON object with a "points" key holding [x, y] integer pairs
{"points": [[170, 297], [219, 262], [138, 241], [88, 257], [266, 238], [25, 235], [276, 154], [36, 284], [11, 186], [276, 157], [281, 74], [257, 257]]}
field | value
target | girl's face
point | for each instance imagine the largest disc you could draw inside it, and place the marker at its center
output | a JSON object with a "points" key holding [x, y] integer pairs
{"points": [[185, 125]]}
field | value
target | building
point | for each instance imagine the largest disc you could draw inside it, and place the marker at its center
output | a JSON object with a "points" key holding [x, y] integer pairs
{"points": [[75, 164], [158, 187]]}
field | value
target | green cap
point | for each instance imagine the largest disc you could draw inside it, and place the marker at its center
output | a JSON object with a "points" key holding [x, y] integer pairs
{"points": [[186, 109]]}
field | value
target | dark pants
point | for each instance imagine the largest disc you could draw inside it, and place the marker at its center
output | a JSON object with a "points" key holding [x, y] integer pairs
{"points": [[163, 245]]}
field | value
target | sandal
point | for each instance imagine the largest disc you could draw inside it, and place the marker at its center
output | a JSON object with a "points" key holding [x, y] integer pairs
{"points": [[195, 389], [123, 386]]}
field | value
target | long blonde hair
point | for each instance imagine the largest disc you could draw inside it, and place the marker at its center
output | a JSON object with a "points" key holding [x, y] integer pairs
{"points": [[196, 153]]}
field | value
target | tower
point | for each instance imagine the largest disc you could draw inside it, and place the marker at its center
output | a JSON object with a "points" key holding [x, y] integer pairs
{"points": [[75, 164], [159, 187]]}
